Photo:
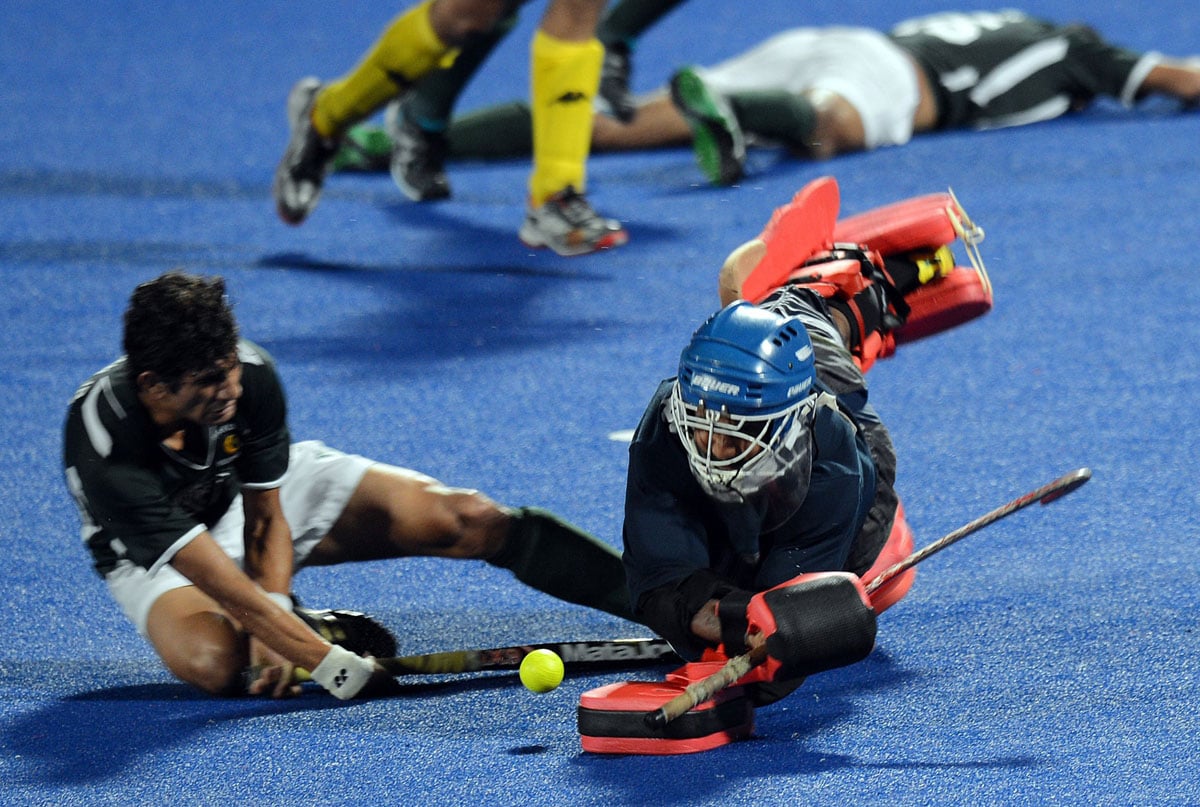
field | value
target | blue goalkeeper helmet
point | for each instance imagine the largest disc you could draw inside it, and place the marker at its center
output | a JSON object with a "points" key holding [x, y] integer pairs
{"points": [[747, 375]]}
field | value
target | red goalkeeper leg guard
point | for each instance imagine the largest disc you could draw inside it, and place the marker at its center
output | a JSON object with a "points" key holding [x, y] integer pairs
{"points": [[808, 226], [898, 547], [797, 231], [961, 296], [923, 224]]}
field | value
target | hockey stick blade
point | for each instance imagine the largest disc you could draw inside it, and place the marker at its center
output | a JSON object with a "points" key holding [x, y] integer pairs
{"points": [[700, 691]]}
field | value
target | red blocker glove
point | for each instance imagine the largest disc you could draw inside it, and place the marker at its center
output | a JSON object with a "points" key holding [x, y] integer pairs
{"points": [[812, 623]]}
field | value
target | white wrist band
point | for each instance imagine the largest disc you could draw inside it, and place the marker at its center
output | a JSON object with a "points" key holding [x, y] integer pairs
{"points": [[343, 673], [284, 601]]}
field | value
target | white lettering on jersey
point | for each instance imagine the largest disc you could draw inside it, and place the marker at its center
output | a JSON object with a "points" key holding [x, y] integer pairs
{"points": [[957, 28]]}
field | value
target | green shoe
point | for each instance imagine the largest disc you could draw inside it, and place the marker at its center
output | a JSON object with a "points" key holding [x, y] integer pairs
{"points": [[365, 148], [716, 134]]}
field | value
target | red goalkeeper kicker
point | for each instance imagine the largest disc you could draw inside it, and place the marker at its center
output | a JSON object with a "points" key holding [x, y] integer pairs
{"points": [[614, 719]]}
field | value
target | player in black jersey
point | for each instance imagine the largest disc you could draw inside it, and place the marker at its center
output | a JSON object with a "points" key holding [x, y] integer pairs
{"points": [[824, 91], [197, 507]]}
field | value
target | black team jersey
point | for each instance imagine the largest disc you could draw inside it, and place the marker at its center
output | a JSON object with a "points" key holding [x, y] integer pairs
{"points": [[994, 69], [141, 501]]}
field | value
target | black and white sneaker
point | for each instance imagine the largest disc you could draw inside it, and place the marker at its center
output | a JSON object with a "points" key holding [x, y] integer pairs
{"points": [[614, 97], [418, 163], [352, 630], [301, 172], [567, 224]]}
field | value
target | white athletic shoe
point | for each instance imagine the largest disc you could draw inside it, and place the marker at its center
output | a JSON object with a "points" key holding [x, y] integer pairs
{"points": [[301, 172], [567, 224]]}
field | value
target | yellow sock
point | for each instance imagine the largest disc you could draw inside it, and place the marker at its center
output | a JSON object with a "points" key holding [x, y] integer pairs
{"points": [[564, 79], [408, 49]]}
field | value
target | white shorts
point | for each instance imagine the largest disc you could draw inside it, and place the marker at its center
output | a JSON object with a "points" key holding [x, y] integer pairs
{"points": [[314, 492], [863, 66]]}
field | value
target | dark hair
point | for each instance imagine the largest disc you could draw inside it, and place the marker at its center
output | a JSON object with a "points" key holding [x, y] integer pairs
{"points": [[178, 323]]}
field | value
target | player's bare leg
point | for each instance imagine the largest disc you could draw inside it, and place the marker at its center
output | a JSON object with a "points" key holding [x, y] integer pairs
{"points": [[839, 126], [199, 644], [396, 512], [565, 63], [657, 123]]}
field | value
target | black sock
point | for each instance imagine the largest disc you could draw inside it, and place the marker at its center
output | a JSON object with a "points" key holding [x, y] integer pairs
{"points": [[776, 115], [430, 103], [559, 559], [494, 132], [626, 21]]}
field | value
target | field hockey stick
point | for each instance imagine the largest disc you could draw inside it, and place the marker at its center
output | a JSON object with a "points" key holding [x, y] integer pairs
{"points": [[1047, 493], [604, 654], [592, 655], [734, 669]]}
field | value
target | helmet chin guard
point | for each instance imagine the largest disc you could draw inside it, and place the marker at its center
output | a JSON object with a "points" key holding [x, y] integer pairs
{"points": [[747, 382]]}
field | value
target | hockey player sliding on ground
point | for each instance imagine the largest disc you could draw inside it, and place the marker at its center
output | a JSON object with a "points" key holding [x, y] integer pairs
{"points": [[761, 480]]}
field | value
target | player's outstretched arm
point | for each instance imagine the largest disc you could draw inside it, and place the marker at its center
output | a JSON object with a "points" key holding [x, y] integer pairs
{"points": [[212, 571], [1178, 78]]}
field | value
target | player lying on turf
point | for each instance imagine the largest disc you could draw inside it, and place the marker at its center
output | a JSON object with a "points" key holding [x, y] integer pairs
{"points": [[763, 460], [198, 508], [825, 91]]}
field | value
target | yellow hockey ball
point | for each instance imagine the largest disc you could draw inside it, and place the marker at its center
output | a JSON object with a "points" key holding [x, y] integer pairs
{"points": [[541, 670]]}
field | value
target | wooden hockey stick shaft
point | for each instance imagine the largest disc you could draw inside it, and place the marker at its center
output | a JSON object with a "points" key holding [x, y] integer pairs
{"points": [[734, 669], [1047, 493]]}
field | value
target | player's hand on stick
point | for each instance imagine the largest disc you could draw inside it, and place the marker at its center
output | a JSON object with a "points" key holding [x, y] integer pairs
{"points": [[273, 674], [346, 675]]}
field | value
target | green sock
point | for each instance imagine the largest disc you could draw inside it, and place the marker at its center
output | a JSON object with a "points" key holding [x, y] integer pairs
{"points": [[431, 101], [626, 21], [494, 132], [548, 554], [776, 115]]}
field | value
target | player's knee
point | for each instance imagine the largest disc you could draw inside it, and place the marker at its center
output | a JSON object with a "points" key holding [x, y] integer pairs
{"points": [[484, 525], [467, 524], [455, 21], [214, 661]]}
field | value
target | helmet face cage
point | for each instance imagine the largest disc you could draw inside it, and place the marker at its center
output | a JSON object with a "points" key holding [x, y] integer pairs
{"points": [[776, 445]]}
